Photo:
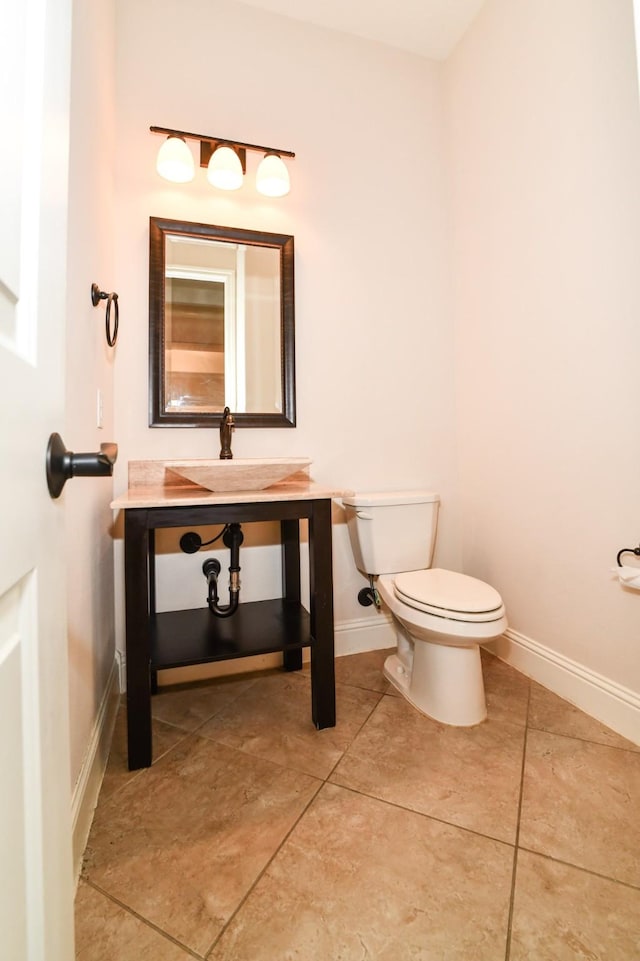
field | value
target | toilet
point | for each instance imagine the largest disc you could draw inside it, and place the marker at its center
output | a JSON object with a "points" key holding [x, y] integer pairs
{"points": [[440, 617]]}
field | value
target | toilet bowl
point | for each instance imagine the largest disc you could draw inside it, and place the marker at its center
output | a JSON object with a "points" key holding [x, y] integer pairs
{"points": [[440, 617], [437, 664]]}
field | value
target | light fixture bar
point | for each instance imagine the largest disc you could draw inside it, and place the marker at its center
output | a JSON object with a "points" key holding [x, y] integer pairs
{"points": [[219, 142]]}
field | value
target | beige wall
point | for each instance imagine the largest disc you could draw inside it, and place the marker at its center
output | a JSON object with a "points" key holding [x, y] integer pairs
{"points": [[89, 367], [367, 209], [544, 157], [539, 390]]}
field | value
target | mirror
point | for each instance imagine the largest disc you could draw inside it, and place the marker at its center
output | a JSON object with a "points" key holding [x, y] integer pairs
{"points": [[221, 326]]}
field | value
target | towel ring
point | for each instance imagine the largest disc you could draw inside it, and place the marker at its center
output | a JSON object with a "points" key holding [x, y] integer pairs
{"points": [[96, 296], [627, 550]]}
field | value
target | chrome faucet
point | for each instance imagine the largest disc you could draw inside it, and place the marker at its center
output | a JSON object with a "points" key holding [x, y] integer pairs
{"points": [[226, 426]]}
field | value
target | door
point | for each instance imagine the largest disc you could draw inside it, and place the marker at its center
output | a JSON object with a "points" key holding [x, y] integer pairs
{"points": [[36, 883], [636, 20]]}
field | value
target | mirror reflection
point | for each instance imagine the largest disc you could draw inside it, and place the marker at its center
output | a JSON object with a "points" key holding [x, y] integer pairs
{"points": [[221, 325]]}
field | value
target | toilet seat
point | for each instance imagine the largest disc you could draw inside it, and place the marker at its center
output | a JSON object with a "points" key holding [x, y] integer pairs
{"points": [[440, 625], [447, 594]]}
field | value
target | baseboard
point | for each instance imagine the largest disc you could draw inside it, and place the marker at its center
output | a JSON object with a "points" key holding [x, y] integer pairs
{"points": [[364, 634], [87, 787], [609, 702], [121, 667]]}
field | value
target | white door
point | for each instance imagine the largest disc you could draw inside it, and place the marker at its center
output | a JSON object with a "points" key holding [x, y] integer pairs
{"points": [[636, 20], [36, 883]]}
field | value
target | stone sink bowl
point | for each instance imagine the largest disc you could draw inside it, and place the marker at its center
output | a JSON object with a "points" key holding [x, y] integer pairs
{"points": [[238, 474]]}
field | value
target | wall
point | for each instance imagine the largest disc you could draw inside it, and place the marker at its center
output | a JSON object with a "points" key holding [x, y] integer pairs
{"points": [[89, 366], [367, 209], [544, 154], [542, 148]]}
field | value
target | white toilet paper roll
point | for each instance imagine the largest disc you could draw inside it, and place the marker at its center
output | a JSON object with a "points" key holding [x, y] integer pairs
{"points": [[629, 576]]}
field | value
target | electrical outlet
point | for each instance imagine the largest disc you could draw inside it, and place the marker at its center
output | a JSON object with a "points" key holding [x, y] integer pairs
{"points": [[99, 409]]}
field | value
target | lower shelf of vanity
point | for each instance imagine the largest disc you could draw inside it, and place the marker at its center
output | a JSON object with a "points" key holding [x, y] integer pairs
{"points": [[180, 638]]}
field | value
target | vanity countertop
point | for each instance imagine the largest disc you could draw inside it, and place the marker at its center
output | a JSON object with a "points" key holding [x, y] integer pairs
{"points": [[151, 486]]}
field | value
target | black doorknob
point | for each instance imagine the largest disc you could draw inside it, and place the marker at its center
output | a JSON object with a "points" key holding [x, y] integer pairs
{"points": [[63, 464]]}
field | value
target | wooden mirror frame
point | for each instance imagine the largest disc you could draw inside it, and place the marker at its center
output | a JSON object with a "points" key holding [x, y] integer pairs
{"points": [[158, 416]]}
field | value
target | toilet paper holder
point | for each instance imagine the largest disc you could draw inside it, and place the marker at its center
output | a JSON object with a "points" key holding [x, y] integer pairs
{"points": [[627, 550]]}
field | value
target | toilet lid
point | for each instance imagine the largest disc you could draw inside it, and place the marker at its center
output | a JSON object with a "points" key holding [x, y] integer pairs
{"points": [[448, 594]]}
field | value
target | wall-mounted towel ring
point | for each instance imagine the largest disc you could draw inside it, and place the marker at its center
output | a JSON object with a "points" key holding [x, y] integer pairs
{"points": [[96, 296], [627, 550]]}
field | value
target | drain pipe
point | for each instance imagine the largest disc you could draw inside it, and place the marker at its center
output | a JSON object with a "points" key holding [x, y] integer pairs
{"points": [[233, 538]]}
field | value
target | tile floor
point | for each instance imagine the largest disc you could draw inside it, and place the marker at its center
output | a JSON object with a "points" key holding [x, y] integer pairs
{"points": [[254, 837]]}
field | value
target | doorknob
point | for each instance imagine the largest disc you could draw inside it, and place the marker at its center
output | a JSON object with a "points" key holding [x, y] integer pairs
{"points": [[63, 464]]}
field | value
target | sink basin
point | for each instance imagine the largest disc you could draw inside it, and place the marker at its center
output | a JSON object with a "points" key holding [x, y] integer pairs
{"points": [[239, 474]]}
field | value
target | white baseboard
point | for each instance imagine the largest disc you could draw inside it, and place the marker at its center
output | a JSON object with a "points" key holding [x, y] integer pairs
{"points": [[87, 787], [364, 634], [609, 702], [614, 705], [121, 667]]}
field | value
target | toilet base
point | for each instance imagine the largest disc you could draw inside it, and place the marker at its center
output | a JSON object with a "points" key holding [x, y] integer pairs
{"points": [[445, 683]]}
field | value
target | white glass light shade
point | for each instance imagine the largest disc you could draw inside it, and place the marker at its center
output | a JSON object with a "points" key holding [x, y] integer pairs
{"points": [[225, 170], [272, 178], [175, 161]]}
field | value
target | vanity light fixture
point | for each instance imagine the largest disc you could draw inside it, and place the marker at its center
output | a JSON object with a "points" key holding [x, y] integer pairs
{"points": [[225, 161], [272, 178], [225, 169], [175, 160]]}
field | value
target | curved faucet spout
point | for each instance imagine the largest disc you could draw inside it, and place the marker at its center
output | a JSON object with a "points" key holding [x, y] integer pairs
{"points": [[226, 426]]}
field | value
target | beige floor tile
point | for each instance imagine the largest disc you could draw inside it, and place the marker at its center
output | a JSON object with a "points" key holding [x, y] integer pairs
{"points": [[273, 721], [117, 773], [551, 713], [580, 804], [106, 932], [191, 706], [359, 879], [363, 670], [506, 690], [564, 914], [466, 776], [182, 844]]}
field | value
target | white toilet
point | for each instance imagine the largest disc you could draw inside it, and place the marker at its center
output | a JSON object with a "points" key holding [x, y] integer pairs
{"points": [[441, 617]]}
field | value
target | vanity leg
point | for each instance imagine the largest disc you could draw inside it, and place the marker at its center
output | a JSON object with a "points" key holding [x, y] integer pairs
{"points": [[138, 644], [152, 595], [290, 537], [323, 692]]}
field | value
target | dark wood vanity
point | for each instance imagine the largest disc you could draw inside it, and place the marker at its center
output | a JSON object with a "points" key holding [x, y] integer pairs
{"points": [[157, 641]]}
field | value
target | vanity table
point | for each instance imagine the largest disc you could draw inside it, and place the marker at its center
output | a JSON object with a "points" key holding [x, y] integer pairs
{"points": [[156, 499]]}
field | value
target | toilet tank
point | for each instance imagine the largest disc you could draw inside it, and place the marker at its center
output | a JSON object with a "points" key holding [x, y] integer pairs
{"points": [[392, 532]]}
